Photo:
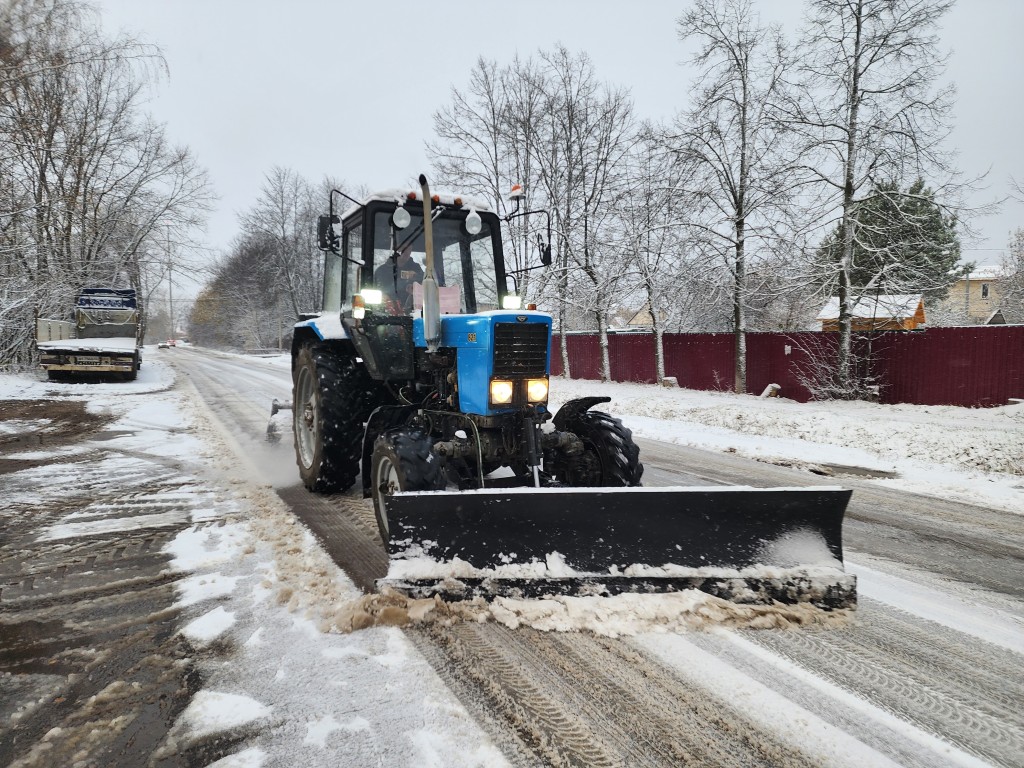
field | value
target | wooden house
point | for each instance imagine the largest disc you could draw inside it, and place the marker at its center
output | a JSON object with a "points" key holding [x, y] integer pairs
{"points": [[886, 312]]}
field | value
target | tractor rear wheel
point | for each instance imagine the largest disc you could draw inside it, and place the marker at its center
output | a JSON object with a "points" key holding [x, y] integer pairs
{"points": [[403, 460], [333, 397], [610, 457]]}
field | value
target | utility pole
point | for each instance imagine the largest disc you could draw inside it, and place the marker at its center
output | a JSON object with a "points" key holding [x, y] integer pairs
{"points": [[170, 282]]}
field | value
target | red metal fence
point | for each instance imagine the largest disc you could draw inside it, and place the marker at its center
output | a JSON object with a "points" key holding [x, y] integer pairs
{"points": [[968, 366]]}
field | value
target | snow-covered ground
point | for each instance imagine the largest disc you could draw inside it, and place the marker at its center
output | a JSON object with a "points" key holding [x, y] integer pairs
{"points": [[271, 612], [255, 582], [974, 455]]}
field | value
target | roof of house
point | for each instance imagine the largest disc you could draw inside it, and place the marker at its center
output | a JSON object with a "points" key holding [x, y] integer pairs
{"points": [[882, 307], [996, 318], [987, 272]]}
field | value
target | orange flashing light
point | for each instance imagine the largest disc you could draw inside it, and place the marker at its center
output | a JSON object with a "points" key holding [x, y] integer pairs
{"points": [[531, 306], [411, 196], [458, 201], [435, 199]]}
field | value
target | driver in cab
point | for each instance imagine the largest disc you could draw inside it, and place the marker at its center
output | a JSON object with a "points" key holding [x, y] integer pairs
{"points": [[396, 277]]}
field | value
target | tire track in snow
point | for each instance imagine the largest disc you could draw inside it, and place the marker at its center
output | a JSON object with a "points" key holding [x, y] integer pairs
{"points": [[575, 699], [944, 683]]}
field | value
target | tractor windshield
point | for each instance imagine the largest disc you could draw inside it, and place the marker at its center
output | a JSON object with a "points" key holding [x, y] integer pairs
{"points": [[463, 264]]}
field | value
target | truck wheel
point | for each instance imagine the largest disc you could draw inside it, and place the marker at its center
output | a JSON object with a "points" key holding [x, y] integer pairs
{"points": [[333, 396], [403, 460], [610, 457]]}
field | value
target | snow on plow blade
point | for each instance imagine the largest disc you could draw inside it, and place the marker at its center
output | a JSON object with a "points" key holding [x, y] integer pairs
{"points": [[747, 545]]}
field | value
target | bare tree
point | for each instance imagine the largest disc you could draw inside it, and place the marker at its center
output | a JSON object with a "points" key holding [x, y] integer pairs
{"points": [[586, 132], [274, 270], [653, 214], [285, 215], [1011, 285], [239, 307], [89, 182], [548, 123], [734, 148], [869, 112], [472, 145], [486, 142]]}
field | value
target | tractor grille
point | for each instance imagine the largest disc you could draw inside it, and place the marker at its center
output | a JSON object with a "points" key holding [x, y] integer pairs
{"points": [[520, 349]]}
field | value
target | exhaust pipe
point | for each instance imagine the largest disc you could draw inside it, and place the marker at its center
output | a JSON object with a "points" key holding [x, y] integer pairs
{"points": [[431, 296]]}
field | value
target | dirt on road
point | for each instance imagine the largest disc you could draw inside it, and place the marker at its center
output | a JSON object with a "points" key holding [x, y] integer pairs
{"points": [[93, 670]]}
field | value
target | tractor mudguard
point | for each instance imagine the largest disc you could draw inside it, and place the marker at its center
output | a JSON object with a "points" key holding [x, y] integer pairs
{"points": [[573, 408]]}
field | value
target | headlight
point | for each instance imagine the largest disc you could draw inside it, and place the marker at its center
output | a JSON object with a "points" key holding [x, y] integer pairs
{"points": [[511, 302], [372, 296], [537, 390], [501, 392]]}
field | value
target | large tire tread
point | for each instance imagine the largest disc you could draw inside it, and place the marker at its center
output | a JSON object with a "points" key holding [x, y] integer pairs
{"points": [[411, 452], [347, 396], [609, 451]]}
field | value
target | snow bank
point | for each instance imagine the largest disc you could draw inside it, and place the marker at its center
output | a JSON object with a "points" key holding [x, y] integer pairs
{"points": [[154, 376], [972, 455], [987, 439]]}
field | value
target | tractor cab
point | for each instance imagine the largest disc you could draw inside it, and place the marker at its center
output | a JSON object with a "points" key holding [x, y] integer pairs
{"points": [[377, 261]]}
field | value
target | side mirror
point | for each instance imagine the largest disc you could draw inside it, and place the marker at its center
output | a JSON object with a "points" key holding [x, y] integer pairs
{"points": [[545, 250], [327, 238]]}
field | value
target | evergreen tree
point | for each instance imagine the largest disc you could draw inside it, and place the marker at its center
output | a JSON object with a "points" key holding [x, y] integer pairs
{"points": [[902, 243]]}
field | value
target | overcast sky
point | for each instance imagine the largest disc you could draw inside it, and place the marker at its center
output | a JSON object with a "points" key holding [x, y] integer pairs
{"points": [[347, 89]]}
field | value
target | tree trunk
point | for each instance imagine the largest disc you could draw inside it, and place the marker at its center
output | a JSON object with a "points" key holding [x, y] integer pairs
{"points": [[606, 365], [739, 313], [849, 217], [565, 341], [659, 344]]}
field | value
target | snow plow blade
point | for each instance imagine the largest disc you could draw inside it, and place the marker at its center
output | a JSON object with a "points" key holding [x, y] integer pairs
{"points": [[747, 545]]}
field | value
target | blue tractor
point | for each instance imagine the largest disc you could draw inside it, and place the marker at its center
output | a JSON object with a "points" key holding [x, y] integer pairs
{"points": [[425, 380]]}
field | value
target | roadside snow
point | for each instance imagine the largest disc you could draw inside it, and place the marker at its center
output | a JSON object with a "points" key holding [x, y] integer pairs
{"points": [[972, 455], [212, 712], [265, 588], [209, 626], [251, 583], [153, 377]]}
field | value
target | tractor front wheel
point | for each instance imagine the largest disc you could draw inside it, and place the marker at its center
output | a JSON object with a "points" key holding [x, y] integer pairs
{"points": [[403, 460], [610, 458]]}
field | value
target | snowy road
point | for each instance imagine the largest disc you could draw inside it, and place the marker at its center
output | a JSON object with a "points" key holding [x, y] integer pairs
{"points": [[959, 542], [929, 673]]}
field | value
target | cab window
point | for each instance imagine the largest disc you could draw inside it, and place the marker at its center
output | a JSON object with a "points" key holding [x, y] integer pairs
{"points": [[463, 265]]}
